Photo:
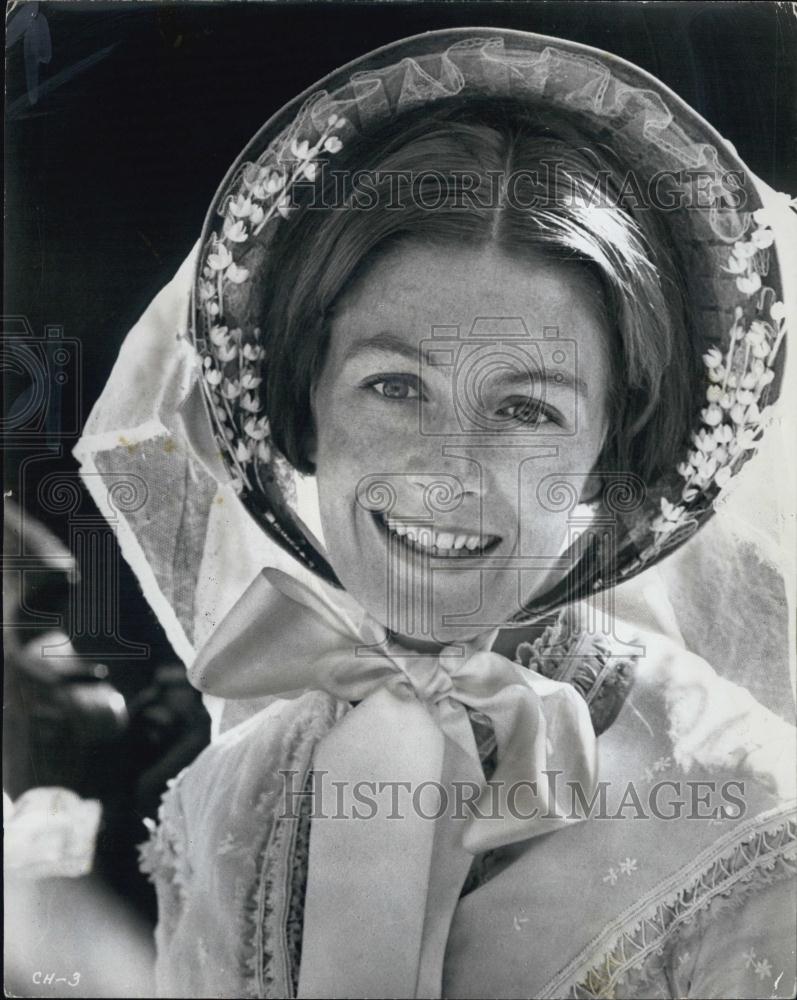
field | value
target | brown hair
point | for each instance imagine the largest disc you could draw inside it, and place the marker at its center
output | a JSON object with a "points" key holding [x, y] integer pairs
{"points": [[432, 175]]}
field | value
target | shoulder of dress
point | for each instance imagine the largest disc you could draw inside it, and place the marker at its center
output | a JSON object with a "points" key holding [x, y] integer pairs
{"points": [[758, 852]]}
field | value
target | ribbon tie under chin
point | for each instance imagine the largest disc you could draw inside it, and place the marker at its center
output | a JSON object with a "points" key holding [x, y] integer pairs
{"points": [[383, 881]]}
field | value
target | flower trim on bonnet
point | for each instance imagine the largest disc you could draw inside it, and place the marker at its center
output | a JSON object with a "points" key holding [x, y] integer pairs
{"points": [[733, 421], [229, 362]]}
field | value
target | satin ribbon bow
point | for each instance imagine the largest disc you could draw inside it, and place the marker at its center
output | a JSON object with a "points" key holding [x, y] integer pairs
{"points": [[383, 881]]}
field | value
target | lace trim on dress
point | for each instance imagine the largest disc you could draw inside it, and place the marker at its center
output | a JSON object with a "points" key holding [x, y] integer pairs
{"points": [[163, 857], [763, 855], [276, 906]]}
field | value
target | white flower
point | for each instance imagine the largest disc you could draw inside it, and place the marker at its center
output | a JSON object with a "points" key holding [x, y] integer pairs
{"points": [[745, 397], [758, 333], [227, 352], [750, 284], [723, 434], [761, 350], [704, 441], [737, 414], [670, 512], [254, 429], [218, 335], [275, 182], [749, 381], [763, 969], [263, 451], [241, 207], [213, 376], [242, 451], [720, 456], [252, 352], [221, 259], [300, 149], [236, 274], [753, 415], [762, 238], [250, 402], [723, 476], [309, 170], [765, 378], [685, 470], [284, 207], [736, 265], [706, 469], [333, 144], [712, 358], [726, 401], [743, 249], [711, 416], [714, 394], [745, 439], [256, 215], [236, 231], [717, 374], [777, 311], [231, 389], [250, 380]]}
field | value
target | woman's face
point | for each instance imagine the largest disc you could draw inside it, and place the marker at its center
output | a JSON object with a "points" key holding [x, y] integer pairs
{"points": [[459, 385]]}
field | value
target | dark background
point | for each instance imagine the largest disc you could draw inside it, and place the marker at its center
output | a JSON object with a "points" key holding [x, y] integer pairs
{"points": [[115, 146]]}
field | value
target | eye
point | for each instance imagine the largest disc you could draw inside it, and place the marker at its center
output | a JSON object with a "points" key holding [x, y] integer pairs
{"points": [[397, 386], [529, 411]]}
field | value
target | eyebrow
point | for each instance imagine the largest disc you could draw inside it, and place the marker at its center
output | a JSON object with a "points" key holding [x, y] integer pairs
{"points": [[389, 343]]}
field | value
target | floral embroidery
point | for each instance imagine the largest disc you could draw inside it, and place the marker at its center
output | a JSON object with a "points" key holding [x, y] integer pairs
{"points": [[230, 359], [749, 958], [733, 421], [763, 969], [628, 867]]}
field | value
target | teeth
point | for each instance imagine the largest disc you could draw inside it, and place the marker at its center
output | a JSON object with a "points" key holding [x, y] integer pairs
{"points": [[437, 542]]}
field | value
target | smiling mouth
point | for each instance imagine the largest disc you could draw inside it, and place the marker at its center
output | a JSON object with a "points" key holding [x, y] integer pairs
{"points": [[441, 544]]}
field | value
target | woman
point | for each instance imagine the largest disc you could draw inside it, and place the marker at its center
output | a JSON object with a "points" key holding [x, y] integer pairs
{"points": [[486, 326]]}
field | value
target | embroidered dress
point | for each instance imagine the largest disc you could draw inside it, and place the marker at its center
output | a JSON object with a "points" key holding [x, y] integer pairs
{"points": [[662, 863]]}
